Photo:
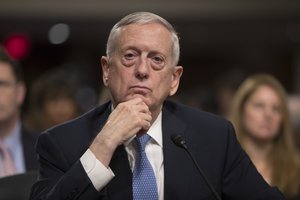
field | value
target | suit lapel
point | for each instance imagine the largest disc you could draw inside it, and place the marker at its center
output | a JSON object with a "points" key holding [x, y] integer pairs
{"points": [[120, 186], [28, 141], [175, 158], [100, 119]]}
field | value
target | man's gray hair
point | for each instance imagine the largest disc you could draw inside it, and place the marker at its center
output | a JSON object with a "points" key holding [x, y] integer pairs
{"points": [[143, 18]]}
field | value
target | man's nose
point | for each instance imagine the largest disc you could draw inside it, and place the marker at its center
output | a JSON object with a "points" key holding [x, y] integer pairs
{"points": [[142, 69]]}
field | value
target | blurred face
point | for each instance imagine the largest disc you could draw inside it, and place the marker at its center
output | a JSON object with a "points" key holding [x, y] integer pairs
{"points": [[59, 110], [262, 116], [11, 94], [142, 66]]}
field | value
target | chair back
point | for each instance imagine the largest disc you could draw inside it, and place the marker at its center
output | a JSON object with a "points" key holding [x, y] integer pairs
{"points": [[17, 187]]}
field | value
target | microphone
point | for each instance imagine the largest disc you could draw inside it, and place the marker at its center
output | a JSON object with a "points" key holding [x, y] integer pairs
{"points": [[178, 141]]}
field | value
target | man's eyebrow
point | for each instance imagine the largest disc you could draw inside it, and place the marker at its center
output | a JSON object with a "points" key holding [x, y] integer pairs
{"points": [[129, 48]]}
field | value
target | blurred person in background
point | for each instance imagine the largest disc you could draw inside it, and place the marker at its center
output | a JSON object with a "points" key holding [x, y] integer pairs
{"points": [[52, 100], [224, 89], [294, 108], [261, 118], [17, 154]]}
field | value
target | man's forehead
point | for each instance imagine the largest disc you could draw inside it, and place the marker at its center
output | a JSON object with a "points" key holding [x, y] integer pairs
{"points": [[5, 66], [6, 70], [145, 33], [142, 26]]}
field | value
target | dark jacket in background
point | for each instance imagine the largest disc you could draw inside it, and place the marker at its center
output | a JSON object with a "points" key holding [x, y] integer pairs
{"points": [[29, 139]]}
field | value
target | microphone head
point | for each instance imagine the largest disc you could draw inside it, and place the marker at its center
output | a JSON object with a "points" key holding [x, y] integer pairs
{"points": [[178, 141]]}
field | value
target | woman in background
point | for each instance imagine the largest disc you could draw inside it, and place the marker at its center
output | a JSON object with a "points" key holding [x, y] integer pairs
{"points": [[52, 100], [261, 119]]}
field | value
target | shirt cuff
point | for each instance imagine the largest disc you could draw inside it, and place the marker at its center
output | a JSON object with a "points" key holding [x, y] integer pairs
{"points": [[96, 171]]}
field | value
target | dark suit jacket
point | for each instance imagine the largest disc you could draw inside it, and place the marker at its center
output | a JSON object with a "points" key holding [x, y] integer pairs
{"points": [[18, 186], [211, 139], [29, 139]]}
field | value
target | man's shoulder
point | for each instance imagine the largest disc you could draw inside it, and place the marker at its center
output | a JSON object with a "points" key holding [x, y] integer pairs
{"points": [[191, 113], [28, 134], [195, 124], [196, 119]]}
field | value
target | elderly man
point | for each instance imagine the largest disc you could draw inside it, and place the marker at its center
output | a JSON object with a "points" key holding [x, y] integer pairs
{"points": [[122, 149]]}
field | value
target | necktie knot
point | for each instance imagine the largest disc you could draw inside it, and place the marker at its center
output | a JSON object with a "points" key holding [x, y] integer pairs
{"points": [[142, 142]]}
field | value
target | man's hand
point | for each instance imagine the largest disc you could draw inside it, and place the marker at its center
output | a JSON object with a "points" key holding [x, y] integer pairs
{"points": [[126, 120]]}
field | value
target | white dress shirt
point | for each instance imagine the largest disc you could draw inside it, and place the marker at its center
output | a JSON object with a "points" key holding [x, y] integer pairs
{"points": [[100, 175]]}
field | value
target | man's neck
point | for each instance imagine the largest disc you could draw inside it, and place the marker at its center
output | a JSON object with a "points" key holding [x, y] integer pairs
{"points": [[7, 127]]}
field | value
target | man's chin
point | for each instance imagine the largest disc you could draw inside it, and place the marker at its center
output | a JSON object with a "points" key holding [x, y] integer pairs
{"points": [[144, 99], [138, 96]]}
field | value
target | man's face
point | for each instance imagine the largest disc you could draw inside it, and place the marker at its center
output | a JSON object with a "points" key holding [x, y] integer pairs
{"points": [[142, 66], [11, 94]]}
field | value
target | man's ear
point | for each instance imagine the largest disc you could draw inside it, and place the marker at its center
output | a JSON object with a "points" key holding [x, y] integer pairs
{"points": [[175, 79], [105, 69]]}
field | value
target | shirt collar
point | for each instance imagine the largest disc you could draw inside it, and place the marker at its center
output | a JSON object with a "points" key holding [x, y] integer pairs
{"points": [[155, 132], [13, 139]]}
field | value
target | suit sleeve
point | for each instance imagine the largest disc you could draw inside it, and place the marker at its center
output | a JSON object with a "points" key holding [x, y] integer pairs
{"points": [[59, 179], [241, 180]]}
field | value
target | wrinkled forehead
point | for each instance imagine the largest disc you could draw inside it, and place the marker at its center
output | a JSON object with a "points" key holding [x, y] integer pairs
{"points": [[153, 35], [119, 29]]}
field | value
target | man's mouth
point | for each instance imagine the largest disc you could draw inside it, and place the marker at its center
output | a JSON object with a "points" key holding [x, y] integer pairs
{"points": [[140, 90]]}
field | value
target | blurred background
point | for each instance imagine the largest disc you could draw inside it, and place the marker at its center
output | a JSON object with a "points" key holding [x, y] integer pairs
{"points": [[222, 42], [59, 44]]}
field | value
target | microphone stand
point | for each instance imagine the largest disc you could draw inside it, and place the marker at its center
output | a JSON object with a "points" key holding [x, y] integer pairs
{"points": [[178, 141]]}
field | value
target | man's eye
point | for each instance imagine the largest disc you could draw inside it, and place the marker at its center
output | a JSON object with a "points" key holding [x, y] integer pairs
{"points": [[129, 56], [158, 62], [157, 59], [5, 84], [128, 59]]}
